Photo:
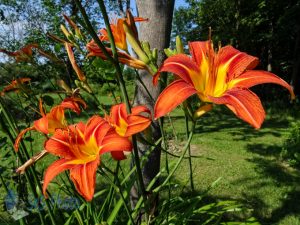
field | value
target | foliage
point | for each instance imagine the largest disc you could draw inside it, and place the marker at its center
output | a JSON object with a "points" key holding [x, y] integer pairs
{"points": [[291, 146], [259, 27], [86, 73]]}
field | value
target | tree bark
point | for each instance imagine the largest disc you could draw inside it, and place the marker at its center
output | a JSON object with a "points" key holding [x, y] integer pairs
{"points": [[157, 32]]}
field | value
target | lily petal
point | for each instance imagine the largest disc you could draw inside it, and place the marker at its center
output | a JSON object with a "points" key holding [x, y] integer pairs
{"points": [[136, 124], [97, 127], [140, 109], [20, 136], [74, 104], [181, 65], [84, 178], [56, 119], [115, 142], [245, 104], [200, 50], [41, 125], [236, 62], [253, 77], [59, 144], [172, 96], [118, 155], [53, 170]]}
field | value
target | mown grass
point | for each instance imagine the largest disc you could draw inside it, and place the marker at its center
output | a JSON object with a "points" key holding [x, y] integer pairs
{"points": [[248, 162]]}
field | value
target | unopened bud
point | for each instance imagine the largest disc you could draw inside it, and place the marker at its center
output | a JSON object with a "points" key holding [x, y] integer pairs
{"points": [[202, 110], [179, 45]]}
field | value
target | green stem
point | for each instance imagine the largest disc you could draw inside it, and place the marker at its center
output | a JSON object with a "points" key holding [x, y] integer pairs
{"points": [[121, 193], [126, 99], [119, 77], [189, 154], [179, 160], [27, 173], [31, 170]]}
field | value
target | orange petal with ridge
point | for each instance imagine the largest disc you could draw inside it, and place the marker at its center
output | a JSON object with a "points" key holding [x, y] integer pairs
{"points": [[181, 65], [172, 96], [114, 142], [41, 125], [136, 124], [84, 178], [200, 50], [53, 170], [253, 77], [245, 104], [59, 144], [238, 62]]}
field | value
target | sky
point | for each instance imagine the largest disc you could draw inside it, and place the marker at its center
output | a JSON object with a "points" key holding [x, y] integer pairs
{"points": [[179, 3]]}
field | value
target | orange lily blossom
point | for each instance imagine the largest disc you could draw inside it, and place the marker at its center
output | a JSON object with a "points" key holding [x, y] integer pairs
{"points": [[15, 85], [118, 30], [79, 148], [54, 119], [221, 77], [22, 55], [128, 125], [123, 58]]}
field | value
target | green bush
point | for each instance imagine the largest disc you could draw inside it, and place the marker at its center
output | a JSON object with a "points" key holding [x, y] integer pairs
{"points": [[291, 146]]}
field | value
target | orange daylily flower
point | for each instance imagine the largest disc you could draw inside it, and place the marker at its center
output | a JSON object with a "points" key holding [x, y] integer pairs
{"points": [[53, 120], [128, 125], [119, 32], [123, 58], [79, 149], [15, 85], [221, 77], [22, 55]]}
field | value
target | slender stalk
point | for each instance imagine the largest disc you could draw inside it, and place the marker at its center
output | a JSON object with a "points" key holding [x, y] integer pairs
{"points": [[27, 173], [116, 184], [189, 154], [31, 170], [179, 160], [120, 80]]}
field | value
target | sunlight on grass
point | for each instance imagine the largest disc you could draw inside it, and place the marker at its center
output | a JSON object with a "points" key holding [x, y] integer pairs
{"points": [[247, 161]]}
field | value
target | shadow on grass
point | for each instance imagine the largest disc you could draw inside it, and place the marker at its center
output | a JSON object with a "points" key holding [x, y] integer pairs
{"points": [[282, 176], [266, 163]]}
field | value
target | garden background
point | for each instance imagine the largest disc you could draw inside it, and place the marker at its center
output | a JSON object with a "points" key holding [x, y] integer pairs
{"points": [[240, 175]]}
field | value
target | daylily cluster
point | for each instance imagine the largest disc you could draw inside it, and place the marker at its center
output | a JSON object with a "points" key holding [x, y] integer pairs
{"points": [[25, 54], [79, 146], [15, 85], [124, 30], [221, 77], [22, 55]]}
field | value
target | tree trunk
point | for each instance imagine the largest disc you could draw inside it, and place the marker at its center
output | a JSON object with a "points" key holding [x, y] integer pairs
{"points": [[157, 32]]}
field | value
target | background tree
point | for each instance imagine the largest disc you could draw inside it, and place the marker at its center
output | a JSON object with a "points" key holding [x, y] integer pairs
{"points": [[157, 32], [266, 29]]}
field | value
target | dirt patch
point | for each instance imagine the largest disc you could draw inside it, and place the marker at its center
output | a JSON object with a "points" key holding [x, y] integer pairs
{"points": [[176, 147]]}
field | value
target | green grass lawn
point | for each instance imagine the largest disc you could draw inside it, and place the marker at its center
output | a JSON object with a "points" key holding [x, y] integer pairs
{"points": [[248, 162]]}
